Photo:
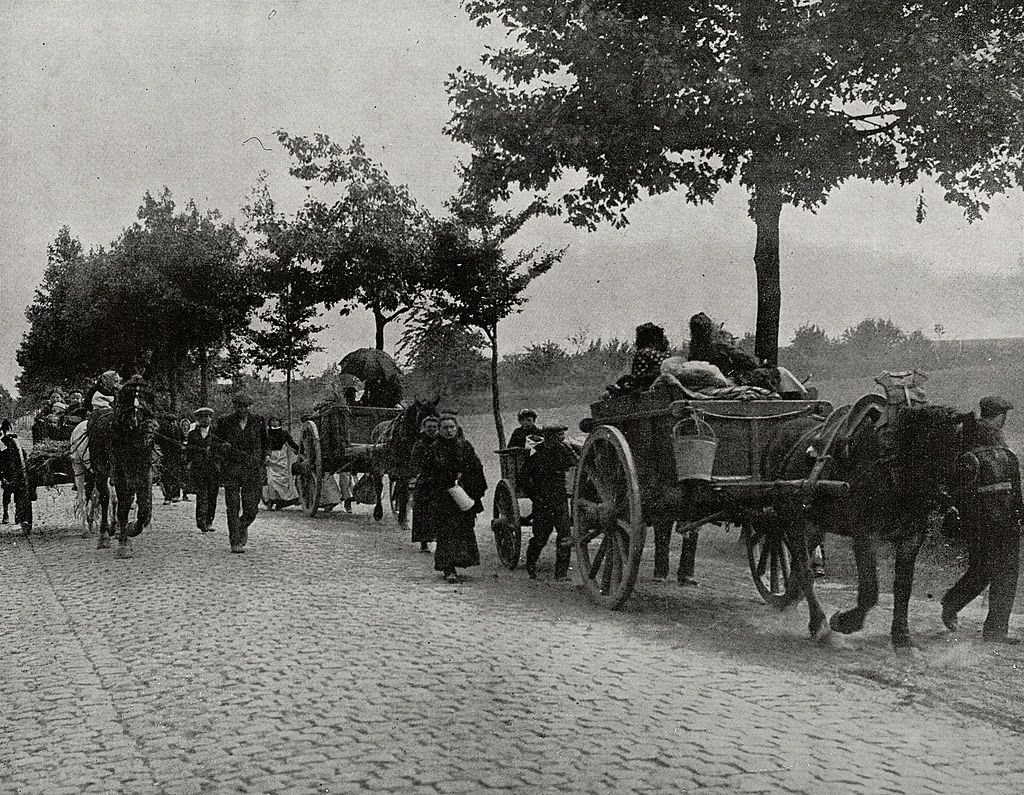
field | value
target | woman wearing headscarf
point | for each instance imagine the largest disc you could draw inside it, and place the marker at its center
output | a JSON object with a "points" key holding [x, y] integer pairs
{"points": [[422, 521], [651, 349], [279, 492], [457, 485]]}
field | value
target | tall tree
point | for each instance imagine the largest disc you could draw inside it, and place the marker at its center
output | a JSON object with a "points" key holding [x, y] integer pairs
{"points": [[790, 97], [203, 287], [44, 354], [472, 282], [370, 243], [286, 340]]}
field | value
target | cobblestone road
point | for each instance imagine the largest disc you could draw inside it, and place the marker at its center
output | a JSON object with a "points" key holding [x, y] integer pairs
{"points": [[332, 658]]}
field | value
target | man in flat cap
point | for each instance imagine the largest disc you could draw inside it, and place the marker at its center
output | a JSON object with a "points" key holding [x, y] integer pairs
{"points": [[542, 479], [243, 441], [986, 484], [203, 468]]}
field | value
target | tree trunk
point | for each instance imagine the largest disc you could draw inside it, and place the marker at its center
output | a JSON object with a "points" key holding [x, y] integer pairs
{"points": [[172, 379], [204, 377], [766, 209], [379, 321], [499, 426], [288, 395]]}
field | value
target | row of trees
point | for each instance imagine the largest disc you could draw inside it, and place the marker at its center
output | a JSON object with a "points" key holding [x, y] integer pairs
{"points": [[172, 292], [177, 292]]}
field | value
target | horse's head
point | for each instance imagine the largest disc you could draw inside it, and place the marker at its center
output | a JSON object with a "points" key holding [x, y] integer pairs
{"points": [[928, 440], [133, 407], [414, 414]]}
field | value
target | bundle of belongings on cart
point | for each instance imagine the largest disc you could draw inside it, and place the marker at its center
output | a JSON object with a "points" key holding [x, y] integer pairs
{"points": [[49, 464], [716, 368]]}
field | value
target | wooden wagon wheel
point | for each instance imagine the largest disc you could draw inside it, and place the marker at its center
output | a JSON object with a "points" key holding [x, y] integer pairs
{"points": [[506, 525], [609, 528], [310, 479], [770, 563]]}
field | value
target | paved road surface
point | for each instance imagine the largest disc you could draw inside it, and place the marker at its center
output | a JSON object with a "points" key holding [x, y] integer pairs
{"points": [[332, 658]]}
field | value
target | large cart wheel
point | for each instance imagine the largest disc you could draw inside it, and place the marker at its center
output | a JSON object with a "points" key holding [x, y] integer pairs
{"points": [[770, 563], [310, 479], [506, 525], [609, 529]]}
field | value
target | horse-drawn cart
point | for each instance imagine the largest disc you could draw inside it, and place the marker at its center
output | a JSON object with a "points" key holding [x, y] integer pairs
{"points": [[633, 473], [335, 438]]}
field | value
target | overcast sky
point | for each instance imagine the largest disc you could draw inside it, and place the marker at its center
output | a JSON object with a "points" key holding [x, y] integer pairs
{"points": [[102, 102]]}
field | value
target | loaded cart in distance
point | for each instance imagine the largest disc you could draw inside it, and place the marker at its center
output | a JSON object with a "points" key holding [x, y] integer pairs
{"points": [[649, 459], [335, 438]]}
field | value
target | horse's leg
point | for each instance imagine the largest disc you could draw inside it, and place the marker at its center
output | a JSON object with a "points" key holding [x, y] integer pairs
{"points": [[864, 555], [378, 486], [124, 505], [799, 543], [103, 495], [82, 501], [402, 503], [143, 488], [907, 545], [662, 540]]}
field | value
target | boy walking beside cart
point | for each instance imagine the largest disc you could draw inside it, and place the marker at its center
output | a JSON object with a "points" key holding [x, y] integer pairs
{"points": [[543, 481]]}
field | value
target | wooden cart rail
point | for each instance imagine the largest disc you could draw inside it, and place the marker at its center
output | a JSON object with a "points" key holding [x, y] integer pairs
{"points": [[627, 481]]}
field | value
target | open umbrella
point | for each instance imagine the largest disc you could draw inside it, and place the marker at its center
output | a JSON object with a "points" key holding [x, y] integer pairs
{"points": [[369, 364]]}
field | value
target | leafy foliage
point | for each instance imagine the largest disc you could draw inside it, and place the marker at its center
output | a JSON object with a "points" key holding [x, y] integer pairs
{"points": [[172, 284], [471, 282], [444, 359], [367, 248], [602, 100], [287, 338]]}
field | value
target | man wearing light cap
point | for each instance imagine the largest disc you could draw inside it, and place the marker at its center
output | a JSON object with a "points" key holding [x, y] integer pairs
{"points": [[203, 469], [986, 485], [542, 479], [243, 438]]}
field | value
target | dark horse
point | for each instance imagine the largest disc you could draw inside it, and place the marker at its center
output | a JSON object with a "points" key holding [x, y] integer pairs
{"points": [[896, 458], [121, 450], [392, 442]]}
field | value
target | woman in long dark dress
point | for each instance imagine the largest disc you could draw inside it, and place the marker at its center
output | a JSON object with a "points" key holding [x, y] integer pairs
{"points": [[422, 521], [453, 462]]}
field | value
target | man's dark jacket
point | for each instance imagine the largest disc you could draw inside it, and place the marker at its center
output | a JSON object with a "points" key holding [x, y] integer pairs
{"points": [[242, 450]]}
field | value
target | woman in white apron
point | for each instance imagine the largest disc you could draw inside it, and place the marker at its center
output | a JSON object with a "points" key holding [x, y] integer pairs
{"points": [[280, 489]]}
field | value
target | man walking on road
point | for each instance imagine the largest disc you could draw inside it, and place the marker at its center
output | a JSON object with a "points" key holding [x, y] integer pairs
{"points": [[543, 481], [988, 495], [242, 437], [203, 469]]}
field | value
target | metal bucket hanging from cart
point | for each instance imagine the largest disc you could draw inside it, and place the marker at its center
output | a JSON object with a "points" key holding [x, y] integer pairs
{"points": [[694, 444]]}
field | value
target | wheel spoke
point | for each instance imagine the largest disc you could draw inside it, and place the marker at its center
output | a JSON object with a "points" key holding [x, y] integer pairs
{"points": [[762, 561], [600, 486], [602, 552], [616, 561], [784, 560], [627, 535]]}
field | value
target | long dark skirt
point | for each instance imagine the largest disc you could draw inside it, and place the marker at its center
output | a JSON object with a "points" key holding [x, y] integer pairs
{"points": [[423, 521], [456, 540]]}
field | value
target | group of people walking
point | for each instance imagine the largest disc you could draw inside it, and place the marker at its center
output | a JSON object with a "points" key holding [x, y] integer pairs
{"points": [[250, 456]]}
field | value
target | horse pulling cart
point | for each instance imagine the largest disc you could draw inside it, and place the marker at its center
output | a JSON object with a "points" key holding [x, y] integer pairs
{"points": [[336, 438], [634, 473]]}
